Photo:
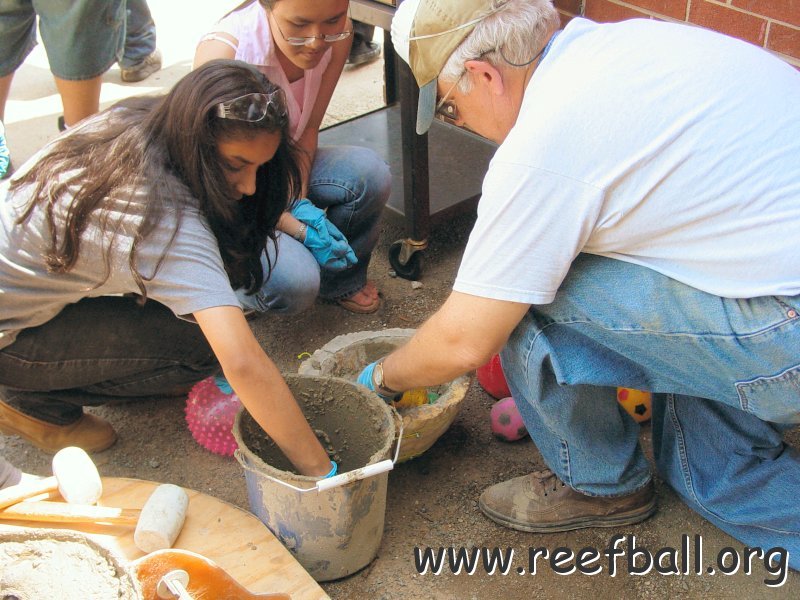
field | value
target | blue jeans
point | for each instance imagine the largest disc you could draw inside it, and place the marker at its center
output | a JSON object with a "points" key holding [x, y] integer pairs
{"points": [[352, 184], [101, 351], [82, 39], [726, 378], [140, 34]]}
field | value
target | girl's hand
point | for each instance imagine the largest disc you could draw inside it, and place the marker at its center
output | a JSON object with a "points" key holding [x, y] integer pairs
{"points": [[262, 389], [323, 238]]}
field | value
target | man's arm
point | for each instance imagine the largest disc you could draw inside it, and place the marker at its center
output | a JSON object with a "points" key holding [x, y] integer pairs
{"points": [[460, 337]]}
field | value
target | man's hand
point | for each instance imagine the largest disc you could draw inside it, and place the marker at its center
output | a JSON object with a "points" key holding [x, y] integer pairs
{"points": [[367, 379], [323, 238]]}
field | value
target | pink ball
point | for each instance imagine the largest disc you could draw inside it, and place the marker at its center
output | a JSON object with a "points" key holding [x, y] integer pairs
{"points": [[507, 423], [210, 410]]}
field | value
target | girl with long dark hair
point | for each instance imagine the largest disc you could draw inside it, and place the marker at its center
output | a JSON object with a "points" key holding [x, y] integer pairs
{"points": [[121, 245]]}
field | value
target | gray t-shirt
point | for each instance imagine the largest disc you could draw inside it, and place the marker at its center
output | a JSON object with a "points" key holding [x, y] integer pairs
{"points": [[191, 276]]}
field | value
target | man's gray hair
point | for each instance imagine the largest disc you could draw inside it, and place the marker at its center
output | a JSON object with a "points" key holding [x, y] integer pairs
{"points": [[513, 34]]}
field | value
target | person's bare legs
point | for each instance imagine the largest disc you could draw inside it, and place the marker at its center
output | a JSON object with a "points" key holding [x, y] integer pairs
{"points": [[79, 98], [5, 86]]}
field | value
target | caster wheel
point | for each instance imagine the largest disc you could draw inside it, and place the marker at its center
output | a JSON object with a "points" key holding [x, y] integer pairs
{"points": [[411, 269]]}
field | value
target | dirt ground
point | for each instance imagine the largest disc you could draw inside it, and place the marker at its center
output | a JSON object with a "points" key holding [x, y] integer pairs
{"points": [[432, 499]]}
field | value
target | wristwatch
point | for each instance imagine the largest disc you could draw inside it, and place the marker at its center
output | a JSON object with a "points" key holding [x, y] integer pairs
{"points": [[377, 380]]}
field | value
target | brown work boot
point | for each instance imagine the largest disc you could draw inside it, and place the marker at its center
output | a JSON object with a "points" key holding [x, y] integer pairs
{"points": [[91, 433], [542, 503]]}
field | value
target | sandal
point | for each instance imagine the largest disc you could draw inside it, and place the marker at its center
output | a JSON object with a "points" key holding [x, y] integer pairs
{"points": [[358, 307]]}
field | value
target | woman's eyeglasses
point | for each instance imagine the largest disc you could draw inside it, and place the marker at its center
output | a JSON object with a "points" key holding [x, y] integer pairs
{"points": [[254, 107], [328, 38]]}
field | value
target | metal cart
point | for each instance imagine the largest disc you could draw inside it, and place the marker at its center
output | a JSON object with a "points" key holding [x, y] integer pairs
{"points": [[441, 172]]}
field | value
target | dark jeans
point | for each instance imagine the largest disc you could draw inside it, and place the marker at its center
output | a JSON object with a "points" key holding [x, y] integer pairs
{"points": [[101, 351]]}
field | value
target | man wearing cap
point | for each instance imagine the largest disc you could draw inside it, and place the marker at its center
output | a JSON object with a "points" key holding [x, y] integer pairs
{"points": [[638, 227]]}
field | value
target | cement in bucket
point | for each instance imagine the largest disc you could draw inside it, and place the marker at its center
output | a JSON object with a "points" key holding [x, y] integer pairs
{"points": [[335, 532], [346, 355]]}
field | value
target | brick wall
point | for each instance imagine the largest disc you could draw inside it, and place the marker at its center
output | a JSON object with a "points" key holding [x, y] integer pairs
{"points": [[771, 24]]}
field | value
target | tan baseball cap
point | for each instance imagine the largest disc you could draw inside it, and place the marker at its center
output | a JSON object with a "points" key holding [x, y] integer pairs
{"points": [[425, 33]]}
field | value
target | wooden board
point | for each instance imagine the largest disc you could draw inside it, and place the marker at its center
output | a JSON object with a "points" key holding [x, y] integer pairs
{"points": [[231, 537]]}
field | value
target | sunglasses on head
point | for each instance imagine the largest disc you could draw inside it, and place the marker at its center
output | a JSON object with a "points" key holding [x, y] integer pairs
{"points": [[254, 107]]}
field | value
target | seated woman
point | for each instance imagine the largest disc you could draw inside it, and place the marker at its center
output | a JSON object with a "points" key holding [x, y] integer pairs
{"points": [[121, 245], [302, 46]]}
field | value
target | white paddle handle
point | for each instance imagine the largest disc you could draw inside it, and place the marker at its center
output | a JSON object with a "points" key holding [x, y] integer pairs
{"points": [[354, 475]]}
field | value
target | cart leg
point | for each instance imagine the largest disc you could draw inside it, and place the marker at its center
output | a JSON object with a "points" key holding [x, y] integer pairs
{"points": [[405, 257]]}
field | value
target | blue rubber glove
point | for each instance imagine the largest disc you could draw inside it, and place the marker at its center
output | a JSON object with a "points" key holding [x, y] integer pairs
{"points": [[366, 379], [5, 158], [332, 472], [323, 238]]}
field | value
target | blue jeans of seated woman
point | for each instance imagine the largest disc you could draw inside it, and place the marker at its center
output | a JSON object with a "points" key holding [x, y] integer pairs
{"points": [[352, 184], [726, 377], [101, 351]]}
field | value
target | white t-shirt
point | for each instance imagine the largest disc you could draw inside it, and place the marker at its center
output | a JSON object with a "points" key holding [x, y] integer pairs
{"points": [[669, 146]]}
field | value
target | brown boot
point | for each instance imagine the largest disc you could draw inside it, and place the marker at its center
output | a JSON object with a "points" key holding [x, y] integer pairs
{"points": [[542, 503], [91, 433]]}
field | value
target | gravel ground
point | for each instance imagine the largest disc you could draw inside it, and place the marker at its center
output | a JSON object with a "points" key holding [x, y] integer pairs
{"points": [[432, 499]]}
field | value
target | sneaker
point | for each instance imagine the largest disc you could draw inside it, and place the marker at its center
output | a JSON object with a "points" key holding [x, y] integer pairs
{"points": [[363, 52], [542, 503], [91, 433], [143, 69]]}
